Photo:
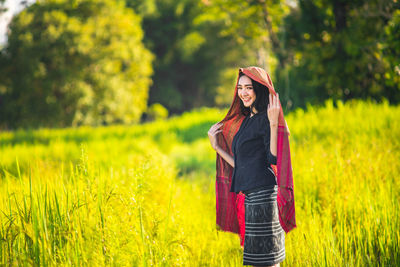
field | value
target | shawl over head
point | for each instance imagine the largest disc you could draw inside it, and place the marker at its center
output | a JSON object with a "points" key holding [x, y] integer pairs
{"points": [[229, 205]]}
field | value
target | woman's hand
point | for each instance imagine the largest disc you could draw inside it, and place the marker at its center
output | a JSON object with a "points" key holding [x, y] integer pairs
{"points": [[273, 109], [212, 134]]}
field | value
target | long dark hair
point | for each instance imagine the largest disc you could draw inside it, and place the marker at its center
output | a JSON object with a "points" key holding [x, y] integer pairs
{"points": [[262, 100]]}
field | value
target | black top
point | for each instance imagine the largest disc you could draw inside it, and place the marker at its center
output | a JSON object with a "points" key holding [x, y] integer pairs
{"points": [[252, 155]]}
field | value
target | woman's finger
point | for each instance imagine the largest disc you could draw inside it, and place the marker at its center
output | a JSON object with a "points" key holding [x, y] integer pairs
{"points": [[273, 101], [218, 126], [216, 129], [278, 102], [214, 126]]}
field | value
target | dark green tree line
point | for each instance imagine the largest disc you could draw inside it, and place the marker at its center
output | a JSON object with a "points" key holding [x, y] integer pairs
{"points": [[89, 61]]}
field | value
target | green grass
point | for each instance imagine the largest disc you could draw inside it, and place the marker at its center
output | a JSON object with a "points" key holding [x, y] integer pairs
{"points": [[144, 195]]}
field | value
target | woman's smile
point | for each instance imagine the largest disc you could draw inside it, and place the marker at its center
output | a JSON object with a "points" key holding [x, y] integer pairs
{"points": [[245, 91]]}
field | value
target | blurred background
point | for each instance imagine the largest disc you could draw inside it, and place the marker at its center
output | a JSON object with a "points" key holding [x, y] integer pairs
{"points": [[95, 62], [105, 107]]}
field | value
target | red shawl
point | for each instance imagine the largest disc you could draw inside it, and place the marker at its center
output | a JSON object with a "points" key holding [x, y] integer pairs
{"points": [[230, 206]]}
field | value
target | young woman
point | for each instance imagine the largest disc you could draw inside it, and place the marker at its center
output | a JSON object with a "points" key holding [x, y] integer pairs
{"points": [[252, 121]]}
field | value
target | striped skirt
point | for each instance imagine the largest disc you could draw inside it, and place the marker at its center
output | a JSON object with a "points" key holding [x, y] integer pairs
{"points": [[264, 239]]}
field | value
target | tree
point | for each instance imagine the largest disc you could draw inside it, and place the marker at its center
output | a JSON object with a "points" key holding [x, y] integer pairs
{"points": [[195, 56], [72, 63], [343, 49], [320, 49], [256, 25]]}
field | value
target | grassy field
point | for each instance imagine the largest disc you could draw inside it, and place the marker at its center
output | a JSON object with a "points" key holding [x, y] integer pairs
{"points": [[145, 195]]}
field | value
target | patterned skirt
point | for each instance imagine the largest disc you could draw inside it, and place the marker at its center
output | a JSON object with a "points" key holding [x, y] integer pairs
{"points": [[264, 239]]}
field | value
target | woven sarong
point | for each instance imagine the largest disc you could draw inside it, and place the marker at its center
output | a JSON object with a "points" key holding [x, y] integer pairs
{"points": [[264, 238]]}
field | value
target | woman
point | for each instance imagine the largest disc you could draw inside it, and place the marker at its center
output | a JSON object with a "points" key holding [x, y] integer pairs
{"points": [[246, 149]]}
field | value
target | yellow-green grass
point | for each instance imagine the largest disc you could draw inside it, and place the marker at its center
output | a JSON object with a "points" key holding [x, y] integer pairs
{"points": [[144, 195]]}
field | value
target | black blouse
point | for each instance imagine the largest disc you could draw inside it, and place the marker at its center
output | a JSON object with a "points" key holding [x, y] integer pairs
{"points": [[252, 155]]}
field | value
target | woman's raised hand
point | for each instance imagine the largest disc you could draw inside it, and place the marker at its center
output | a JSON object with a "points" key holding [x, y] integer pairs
{"points": [[273, 109], [212, 134]]}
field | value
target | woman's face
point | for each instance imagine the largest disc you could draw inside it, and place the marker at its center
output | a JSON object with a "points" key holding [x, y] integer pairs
{"points": [[246, 91]]}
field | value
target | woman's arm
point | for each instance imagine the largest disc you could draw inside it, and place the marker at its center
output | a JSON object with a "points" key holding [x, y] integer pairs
{"points": [[273, 114], [225, 155], [273, 139], [212, 133]]}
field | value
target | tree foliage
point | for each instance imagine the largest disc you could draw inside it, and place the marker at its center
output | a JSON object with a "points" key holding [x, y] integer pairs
{"points": [[255, 26], [321, 49], [195, 55], [74, 62], [83, 61], [343, 49]]}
